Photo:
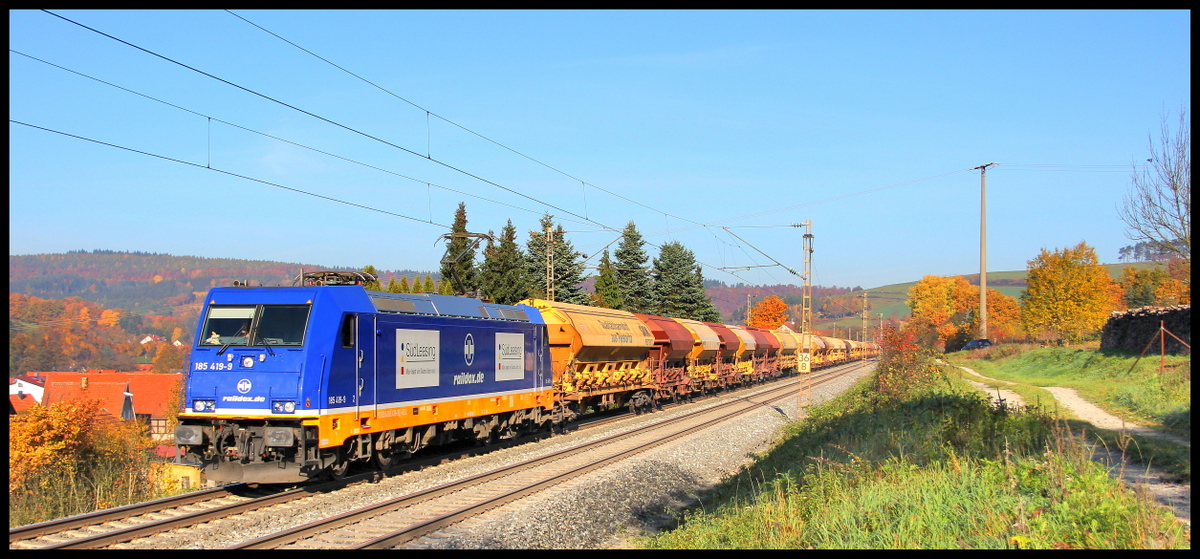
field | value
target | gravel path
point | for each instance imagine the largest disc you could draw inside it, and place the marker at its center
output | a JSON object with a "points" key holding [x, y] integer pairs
{"points": [[1174, 495]]}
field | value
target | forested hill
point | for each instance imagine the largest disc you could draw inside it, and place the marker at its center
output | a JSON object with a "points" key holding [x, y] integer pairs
{"points": [[147, 283], [142, 282]]}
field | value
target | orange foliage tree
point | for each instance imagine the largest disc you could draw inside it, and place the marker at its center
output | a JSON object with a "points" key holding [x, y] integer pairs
{"points": [[769, 313], [945, 312], [1070, 295], [71, 458]]}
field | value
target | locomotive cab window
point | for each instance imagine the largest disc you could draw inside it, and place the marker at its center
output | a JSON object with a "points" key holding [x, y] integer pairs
{"points": [[281, 325], [227, 325], [276, 325]]}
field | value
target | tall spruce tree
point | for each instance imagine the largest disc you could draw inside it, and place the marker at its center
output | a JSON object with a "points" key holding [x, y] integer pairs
{"points": [[633, 276], [460, 270], [504, 277], [608, 288], [567, 264], [679, 285]]}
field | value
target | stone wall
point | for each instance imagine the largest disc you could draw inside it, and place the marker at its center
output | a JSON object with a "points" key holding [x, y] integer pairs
{"points": [[1131, 330]]}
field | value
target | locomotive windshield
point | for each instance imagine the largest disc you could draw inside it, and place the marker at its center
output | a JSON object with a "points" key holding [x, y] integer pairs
{"points": [[269, 325]]}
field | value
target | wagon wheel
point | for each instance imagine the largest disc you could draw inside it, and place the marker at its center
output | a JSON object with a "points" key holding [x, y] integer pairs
{"points": [[558, 418]]}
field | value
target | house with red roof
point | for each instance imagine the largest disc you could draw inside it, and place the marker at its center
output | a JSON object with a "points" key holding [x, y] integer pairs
{"points": [[140, 396], [32, 384]]}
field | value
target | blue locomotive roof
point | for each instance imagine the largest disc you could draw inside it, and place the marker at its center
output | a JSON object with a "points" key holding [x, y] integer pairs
{"points": [[445, 305], [351, 297]]}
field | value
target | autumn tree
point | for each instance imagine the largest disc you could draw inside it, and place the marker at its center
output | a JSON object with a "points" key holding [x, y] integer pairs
{"points": [[504, 277], [633, 275], [769, 313], [1153, 286], [939, 306], [945, 312], [1158, 208], [1178, 289], [1069, 294], [168, 358], [68, 459]]}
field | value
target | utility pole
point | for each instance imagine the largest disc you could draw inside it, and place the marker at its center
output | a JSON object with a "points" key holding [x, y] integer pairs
{"points": [[550, 264], [749, 298], [806, 299], [862, 336], [983, 333], [806, 334]]}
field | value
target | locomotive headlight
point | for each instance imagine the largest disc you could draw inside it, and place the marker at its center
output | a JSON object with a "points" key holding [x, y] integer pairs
{"points": [[283, 406], [204, 405]]}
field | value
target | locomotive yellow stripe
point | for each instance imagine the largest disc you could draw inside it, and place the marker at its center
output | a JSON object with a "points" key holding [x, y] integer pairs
{"points": [[335, 428]]}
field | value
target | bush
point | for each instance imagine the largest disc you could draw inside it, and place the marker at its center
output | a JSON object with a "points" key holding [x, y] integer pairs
{"points": [[64, 460]]}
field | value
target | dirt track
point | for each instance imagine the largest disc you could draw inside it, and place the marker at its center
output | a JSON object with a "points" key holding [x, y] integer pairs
{"points": [[1175, 496]]}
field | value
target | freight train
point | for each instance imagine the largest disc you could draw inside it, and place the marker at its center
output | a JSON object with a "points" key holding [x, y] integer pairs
{"points": [[288, 384]]}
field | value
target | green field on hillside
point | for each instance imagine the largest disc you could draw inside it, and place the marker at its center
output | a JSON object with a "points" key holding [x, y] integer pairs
{"points": [[891, 300]]}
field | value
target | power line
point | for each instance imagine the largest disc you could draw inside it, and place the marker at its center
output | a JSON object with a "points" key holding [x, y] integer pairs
{"points": [[273, 137], [457, 125], [197, 165], [323, 119]]}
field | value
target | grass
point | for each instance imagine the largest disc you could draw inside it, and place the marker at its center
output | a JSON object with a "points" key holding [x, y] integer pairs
{"points": [[913, 457], [1133, 389]]}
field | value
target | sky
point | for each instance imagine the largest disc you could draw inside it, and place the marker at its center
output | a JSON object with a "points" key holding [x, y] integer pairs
{"points": [[349, 138]]}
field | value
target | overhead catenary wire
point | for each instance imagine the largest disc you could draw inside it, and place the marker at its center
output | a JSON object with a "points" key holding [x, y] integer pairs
{"points": [[323, 119], [210, 119], [461, 127], [272, 99], [214, 169]]}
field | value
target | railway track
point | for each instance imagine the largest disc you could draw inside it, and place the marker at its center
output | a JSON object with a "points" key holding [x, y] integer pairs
{"points": [[395, 521]]}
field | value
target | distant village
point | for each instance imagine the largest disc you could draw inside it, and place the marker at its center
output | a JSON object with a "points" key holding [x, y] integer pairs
{"points": [[138, 395]]}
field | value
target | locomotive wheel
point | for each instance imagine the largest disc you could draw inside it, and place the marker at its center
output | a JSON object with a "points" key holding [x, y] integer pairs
{"points": [[385, 453], [340, 465]]}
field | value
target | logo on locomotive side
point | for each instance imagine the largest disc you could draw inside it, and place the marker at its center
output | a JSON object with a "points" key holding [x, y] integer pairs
{"points": [[469, 349], [244, 385]]}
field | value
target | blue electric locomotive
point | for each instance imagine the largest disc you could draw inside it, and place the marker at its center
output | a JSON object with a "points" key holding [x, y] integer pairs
{"points": [[285, 384]]}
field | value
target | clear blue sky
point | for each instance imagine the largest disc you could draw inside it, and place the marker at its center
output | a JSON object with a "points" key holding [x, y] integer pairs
{"points": [[865, 123]]}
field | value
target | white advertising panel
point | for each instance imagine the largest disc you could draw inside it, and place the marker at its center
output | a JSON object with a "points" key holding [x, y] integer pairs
{"points": [[417, 362], [510, 356]]}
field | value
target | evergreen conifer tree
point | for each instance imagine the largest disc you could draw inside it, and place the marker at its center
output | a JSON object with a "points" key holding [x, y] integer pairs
{"points": [[633, 276], [461, 273], [504, 276], [679, 285], [372, 285], [608, 289]]}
